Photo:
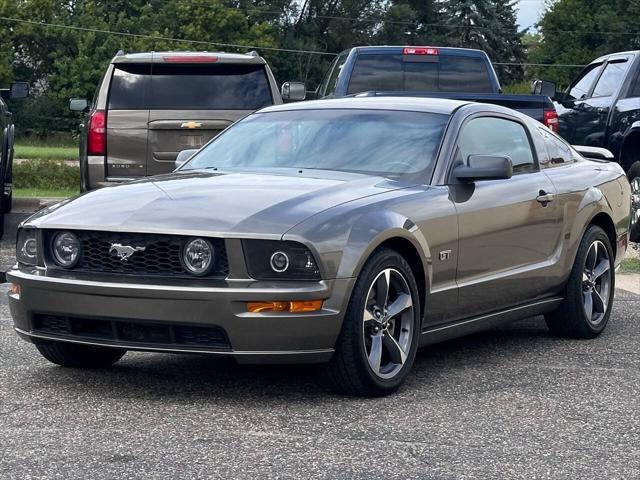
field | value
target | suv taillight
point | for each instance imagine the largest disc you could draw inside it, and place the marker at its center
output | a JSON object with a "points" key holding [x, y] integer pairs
{"points": [[97, 133], [551, 119]]}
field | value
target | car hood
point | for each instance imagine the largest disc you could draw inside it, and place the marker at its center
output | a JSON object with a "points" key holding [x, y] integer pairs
{"points": [[221, 204]]}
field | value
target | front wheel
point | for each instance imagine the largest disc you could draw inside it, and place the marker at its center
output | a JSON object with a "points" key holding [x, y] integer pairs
{"points": [[586, 308], [379, 337], [79, 356], [633, 174]]}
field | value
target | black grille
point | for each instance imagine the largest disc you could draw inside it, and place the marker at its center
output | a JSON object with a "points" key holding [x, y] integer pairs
{"points": [[131, 332], [160, 257]]}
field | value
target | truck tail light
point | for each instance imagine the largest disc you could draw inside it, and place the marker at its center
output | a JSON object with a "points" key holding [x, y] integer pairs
{"points": [[97, 133], [191, 59], [551, 119], [420, 51]]}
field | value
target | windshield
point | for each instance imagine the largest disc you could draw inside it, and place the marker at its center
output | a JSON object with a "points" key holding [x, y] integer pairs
{"points": [[380, 142]]}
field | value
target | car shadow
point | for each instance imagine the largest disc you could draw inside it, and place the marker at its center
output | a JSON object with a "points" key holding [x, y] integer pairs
{"points": [[175, 377]]}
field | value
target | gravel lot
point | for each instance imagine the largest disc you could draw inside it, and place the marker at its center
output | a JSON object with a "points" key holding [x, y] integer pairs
{"points": [[509, 403]]}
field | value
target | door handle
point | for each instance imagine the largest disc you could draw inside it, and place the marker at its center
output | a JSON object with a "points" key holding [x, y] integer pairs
{"points": [[544, 198]]}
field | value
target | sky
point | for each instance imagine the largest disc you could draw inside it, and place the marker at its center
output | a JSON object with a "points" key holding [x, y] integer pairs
{"points": [[529, 12]]}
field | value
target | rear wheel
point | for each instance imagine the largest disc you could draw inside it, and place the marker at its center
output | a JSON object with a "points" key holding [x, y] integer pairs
{"points": [[79, 356], [633, 174], [586, 308], [379, 337]]}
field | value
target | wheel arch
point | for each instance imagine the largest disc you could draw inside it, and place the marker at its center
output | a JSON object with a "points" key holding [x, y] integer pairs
{"points": [[604, 221], [630, 149], [410, 253]]}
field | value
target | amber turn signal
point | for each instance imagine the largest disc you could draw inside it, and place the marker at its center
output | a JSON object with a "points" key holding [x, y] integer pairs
{"points": [[295, 306], [15, 289]]}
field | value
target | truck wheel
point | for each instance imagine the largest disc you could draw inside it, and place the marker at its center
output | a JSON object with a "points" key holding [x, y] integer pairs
{"points": [[74, 355], [633, 174], [586, 308], [379, 337]]}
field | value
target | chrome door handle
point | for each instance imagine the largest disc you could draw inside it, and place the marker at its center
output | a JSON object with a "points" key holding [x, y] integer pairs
{"points": [[544, 198]]}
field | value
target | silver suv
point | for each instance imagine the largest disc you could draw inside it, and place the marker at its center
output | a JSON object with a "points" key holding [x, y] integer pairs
{"points": [[150, 106]]}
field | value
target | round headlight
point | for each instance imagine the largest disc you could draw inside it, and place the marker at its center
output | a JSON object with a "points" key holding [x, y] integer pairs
{"points": [[66, 249], [29, 249], [279, 262], [198, 256]]}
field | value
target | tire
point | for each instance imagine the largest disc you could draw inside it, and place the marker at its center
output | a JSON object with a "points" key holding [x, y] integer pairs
{"points": [[367, 330], [79, 356], [594, 260], [633, 174]]}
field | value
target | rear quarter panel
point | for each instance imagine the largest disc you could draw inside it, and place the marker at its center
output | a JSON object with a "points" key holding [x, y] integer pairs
{"points": [[585, 189]]}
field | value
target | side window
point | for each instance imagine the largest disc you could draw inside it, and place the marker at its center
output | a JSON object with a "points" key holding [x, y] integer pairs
{"points": [[559, 152], [129, 86], [333, 79], [580, 89], [497, 136], [328, 85], [611, 78]]}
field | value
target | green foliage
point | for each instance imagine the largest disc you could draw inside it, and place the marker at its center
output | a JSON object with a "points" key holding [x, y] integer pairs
{"points": [[578, 31], [517, 88], [61, 63], [44, 192], [40, 152], [46, 175]]}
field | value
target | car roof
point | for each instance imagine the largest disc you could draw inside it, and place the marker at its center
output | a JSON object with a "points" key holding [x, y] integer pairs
{"points": [[412, 104], [634, 53], [184, 57]]}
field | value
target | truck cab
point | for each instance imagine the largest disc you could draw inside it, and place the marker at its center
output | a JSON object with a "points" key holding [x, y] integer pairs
{"points": [[425, 71]]}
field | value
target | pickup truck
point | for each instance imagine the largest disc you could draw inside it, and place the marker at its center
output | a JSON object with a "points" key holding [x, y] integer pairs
{"points": [[443, 72], [601, 108]]}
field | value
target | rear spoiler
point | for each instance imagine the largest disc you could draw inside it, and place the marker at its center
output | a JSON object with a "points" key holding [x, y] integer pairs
{"points": [[596, 153]]}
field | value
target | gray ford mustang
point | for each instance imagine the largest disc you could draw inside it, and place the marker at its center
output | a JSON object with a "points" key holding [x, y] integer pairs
{"points": [[349, 232]]}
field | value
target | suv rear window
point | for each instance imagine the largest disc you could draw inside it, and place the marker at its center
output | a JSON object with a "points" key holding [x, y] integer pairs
{"points": [[444, 73], [189, 87]]}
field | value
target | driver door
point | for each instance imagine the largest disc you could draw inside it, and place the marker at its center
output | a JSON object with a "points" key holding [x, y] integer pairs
{"points": [[508, 229]]}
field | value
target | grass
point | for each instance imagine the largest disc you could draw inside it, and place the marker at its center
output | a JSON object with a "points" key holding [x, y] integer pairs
{"points": [[39, 192], [630, 265], [46, 152]]}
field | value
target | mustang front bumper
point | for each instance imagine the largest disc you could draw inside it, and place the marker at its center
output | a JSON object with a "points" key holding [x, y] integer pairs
{"points": [[180, 318]]}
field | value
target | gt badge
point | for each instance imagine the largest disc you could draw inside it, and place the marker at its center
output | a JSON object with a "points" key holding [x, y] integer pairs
{"points": [[445, 255]]}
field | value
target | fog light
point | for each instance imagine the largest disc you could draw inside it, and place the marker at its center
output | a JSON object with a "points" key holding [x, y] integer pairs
{"points": [[295, 306], [66, 249], [198, 256]]}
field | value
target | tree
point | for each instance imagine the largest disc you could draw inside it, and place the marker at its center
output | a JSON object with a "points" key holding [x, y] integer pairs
{"points": [[488, 25], [578, 31]]}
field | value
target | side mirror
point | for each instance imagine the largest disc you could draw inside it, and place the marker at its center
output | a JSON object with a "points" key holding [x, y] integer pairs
{"points": [[543, 87], [595, 153], [19, 90], [293, 91], [184, 155], [484, 167], [78, 105]]}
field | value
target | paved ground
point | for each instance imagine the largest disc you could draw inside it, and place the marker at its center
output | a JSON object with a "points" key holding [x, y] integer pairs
{"points": [[509, 403]]}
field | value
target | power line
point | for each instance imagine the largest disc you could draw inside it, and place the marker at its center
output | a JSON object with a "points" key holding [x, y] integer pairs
{"points": [[539, 64], [157, 37]]}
